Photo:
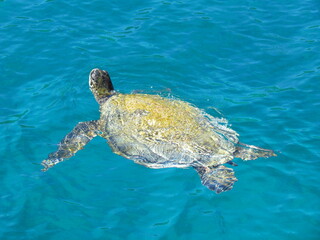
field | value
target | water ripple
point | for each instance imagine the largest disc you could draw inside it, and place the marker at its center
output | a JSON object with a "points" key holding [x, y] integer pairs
{"points": [[253, 62]]}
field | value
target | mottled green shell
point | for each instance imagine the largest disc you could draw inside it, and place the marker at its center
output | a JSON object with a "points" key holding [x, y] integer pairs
{"points": [[160, 132]]}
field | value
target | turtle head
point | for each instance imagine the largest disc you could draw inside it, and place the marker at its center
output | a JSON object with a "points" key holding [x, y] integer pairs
{"points": [[100, 84]]}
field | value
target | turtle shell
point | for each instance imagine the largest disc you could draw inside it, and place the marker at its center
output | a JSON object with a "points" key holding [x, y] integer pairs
{"points": [[161, 132]]}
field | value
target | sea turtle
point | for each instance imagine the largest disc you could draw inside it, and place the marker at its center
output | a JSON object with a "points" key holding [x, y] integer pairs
{"points": [[159, 132]]}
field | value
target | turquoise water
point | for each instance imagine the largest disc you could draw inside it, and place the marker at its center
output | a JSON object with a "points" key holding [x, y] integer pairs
{"points": [[257, 62]]}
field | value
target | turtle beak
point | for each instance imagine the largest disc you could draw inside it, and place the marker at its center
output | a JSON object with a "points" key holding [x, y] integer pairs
{"points": [[94, 76], [100, 79]]}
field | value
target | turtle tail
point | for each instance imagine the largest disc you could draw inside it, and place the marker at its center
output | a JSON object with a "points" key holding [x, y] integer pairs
{"points": [[250, 152]]}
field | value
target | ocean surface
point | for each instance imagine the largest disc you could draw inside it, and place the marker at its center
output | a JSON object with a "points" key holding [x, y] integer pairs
{"points": [[255, 63]]}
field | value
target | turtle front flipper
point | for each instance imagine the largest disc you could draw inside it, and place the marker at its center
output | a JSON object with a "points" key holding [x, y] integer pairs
{"points": [[71, 143], [218, 179]]}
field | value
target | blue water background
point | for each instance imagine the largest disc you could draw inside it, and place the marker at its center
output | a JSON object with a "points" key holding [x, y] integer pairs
{"points": [[257, 62]]}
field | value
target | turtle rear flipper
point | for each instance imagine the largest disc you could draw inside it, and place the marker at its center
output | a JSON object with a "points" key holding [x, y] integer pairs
{"points": [[218, 179], [250, 152]]}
